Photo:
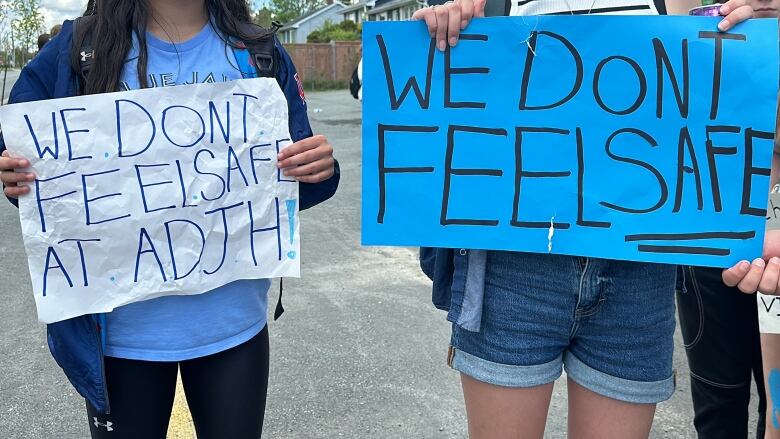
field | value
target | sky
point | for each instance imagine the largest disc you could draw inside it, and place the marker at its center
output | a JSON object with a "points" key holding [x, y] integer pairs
{"points": [[56, 11]]}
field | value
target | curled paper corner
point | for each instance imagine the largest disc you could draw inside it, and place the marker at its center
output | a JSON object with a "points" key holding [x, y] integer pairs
{"points": [[550, 234]]}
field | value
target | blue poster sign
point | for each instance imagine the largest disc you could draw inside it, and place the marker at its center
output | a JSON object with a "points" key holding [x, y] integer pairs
{"points": [[634, 138]]}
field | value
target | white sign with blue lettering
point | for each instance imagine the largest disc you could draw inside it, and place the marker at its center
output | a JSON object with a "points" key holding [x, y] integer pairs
{"points": [[153, 192]]}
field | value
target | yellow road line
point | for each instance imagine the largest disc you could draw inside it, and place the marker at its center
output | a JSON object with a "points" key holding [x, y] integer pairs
{"points": [[180, 426]]}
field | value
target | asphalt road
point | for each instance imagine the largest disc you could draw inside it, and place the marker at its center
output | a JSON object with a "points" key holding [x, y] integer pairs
{"points": [[360, 352], [9, 78]]}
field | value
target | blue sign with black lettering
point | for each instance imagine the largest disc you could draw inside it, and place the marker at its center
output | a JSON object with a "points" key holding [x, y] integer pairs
{"points": [[634, 138]]}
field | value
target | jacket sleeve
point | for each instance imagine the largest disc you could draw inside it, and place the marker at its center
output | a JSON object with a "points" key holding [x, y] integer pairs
{"points": [[311, 194], [31, 86]]}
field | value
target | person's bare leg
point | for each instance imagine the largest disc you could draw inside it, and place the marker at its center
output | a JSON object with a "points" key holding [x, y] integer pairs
{"points": [[770, 350], [593, 416], [496, 412]]}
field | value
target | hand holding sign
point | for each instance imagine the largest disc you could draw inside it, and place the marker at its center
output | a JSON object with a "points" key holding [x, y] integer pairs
{"points": [[735, 12], [11, 178], [309, 160], [446, 21], [759, 275]]}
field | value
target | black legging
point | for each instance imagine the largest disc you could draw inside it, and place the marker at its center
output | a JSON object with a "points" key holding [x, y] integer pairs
{"points": [[225, 392]]}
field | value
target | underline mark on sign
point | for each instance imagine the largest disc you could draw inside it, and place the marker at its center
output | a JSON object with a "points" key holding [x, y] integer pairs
{"points": [[644, 248], [690, 236]]}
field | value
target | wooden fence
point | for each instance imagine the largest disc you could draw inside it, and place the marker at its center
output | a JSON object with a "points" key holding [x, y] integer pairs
{"points": [[325, 64]]}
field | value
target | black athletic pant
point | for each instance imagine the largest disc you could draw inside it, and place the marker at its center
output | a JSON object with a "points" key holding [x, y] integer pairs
{"points": [[720, 330], [225, 392]]}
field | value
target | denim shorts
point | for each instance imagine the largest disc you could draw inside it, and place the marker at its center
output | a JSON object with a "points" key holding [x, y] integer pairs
{"points": [[609, 323]]}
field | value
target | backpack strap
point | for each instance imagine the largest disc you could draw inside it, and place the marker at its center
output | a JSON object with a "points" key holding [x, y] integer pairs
{"points": [[260, 59], [82, 45], [261, 46]]}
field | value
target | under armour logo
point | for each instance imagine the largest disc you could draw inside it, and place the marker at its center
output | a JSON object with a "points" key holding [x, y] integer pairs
{"points": [[85, 55], [99, 424]]}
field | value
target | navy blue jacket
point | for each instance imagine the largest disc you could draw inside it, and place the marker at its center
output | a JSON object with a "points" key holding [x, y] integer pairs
{"points": [[76, 343]]}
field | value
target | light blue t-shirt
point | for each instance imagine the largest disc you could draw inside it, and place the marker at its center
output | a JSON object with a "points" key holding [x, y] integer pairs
{"points": [[176, 328]]}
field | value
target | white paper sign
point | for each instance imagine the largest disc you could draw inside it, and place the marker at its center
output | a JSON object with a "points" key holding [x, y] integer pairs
{"points": [[768, 313], [153, 192]]}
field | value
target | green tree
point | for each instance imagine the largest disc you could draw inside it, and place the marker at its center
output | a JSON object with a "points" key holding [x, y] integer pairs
{"points": [[285, 11], [263, 17], [6, 46], [26, 23], [346, 30]]}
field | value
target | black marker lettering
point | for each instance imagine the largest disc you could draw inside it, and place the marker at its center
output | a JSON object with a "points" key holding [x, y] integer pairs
{"points": [[449, 171], [686, 144], [449, 71], [411, 83], [712, 151], [662, 62], [529, 61], [750, 171], [640, 76], [581, 221], [520, 173], [718, 67], [658, 176], [384, 170]]}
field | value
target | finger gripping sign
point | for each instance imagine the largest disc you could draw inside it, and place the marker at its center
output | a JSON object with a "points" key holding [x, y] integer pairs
{"points": [[153, 192], [634, 138]]}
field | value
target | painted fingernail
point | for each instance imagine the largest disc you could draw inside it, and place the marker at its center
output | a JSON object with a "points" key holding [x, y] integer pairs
{"points": [[775, 260], [453, 41], [441, 45], [723, 25], [759, 262]]}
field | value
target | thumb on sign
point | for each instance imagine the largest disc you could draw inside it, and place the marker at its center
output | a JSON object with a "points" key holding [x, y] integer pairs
{"points": [[763, 274]]}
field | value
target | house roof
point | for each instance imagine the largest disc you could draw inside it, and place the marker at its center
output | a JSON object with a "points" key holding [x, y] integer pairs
{"points": [[382, 6], [311, 15], [357, 6]]}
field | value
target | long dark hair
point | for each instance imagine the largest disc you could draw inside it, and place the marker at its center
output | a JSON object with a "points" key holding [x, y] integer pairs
{"points": [[112, 24]]}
